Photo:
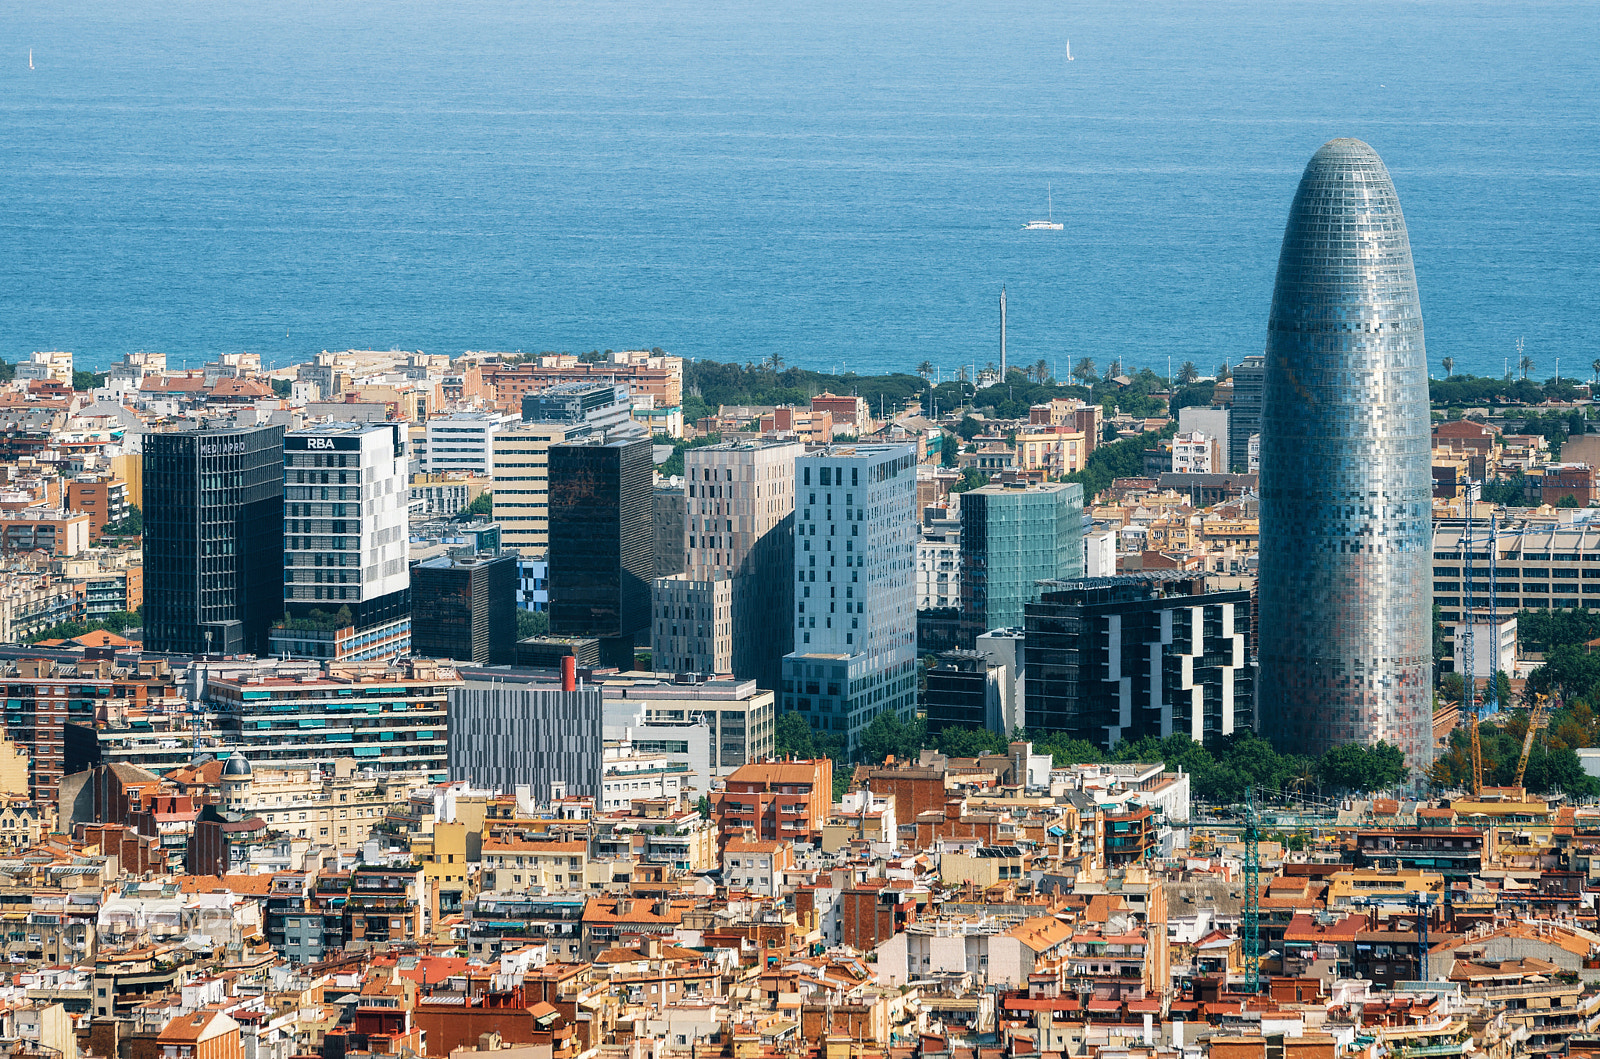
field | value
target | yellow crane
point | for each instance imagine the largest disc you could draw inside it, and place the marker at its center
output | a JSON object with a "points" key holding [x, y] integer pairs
{"points": [[1536, 720]]}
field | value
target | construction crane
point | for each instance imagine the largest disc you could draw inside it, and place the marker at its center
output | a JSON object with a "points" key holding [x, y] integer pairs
{"points": [[1252, 894], [1469, 683], [1539, 718]]}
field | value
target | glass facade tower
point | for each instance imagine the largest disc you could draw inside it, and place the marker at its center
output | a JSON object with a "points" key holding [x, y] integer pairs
{"points": [[1346, 644], [1011, 539]]}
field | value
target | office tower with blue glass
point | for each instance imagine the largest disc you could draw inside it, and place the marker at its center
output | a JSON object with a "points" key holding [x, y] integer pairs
{"points": [[855, 606], [1012, 537], [1346, 647]]}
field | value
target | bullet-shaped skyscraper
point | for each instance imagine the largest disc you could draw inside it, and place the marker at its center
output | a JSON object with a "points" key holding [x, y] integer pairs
{"points": [[1345, 637]]}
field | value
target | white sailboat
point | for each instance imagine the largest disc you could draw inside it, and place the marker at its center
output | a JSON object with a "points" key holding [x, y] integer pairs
{"points": [[30, 58], [1050, 224], [1069, 51]]}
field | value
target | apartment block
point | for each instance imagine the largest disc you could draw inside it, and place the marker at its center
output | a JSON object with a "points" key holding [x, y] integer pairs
{"points": [[1118, 658], [728, 613], [390, 717]]}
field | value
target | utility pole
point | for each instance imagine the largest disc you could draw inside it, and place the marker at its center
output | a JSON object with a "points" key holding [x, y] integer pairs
{"points": [[1002, 332]]}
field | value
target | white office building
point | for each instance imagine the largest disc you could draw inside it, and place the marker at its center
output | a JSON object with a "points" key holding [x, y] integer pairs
{"points": [[855, 608], [463, 441], [346, 560]]}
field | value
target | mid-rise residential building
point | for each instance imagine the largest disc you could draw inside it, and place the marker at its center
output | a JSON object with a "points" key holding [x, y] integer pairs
{"points": [[1012, 537], [461, 441], [102, 496], [512, 727], [54, 530], [444, 495], [855, 588], [388, 717], [346, 568], [1196, 452], [728, 613], [774, 801], [939, 564], [1214, 423], [465, 608], [1178, 659], [522, 484], [601, 544], [213, 539]]}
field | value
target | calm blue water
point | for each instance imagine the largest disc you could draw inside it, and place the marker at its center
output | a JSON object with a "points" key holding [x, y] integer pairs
{"points": [[841, 183]]}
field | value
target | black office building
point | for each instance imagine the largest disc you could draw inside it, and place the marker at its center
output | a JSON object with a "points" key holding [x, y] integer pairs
{"points": [[1109, 659], [602, 543], [213, 539], [963, 692], [465, 608]]}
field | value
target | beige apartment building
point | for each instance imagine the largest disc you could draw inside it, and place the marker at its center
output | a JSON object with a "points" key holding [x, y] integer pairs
{"points": [[729, 611]]}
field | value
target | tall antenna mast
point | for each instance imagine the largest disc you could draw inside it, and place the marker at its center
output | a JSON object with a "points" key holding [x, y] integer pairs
{"points": [[1002, 332]]}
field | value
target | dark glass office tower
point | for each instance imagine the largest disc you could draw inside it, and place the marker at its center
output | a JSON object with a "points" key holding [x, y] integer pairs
{"points": [[213, 539], [602, 543], [465, 608], [1345, 490]]}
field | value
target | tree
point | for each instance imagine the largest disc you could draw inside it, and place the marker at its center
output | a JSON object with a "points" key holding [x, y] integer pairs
{"points": [[1224, 373], [87, 380], [890, 736], [532, 623], [1114, 368], [948, 447], [955, 741], [130, 525], [1084, 371], [482, 504], [703, 807], [283, 387], [1354, 767], [1449, 366], [1041, 371], [1568, 500], [792, 736], [1452, 688], [1526, 364], [1188, 374], [971, 478], [969, 428], [1596, 367], [925, 369], [775, 362]]}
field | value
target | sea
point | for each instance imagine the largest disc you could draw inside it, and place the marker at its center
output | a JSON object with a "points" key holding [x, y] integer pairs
{"points": [[837, 184]]}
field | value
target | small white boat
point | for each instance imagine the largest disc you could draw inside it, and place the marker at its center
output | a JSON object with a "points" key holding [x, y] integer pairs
{"points": [[1050, 224], [1069, 51]]}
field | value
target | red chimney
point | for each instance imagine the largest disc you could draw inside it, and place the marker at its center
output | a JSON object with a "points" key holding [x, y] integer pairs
{"points": [[569, 673]]}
